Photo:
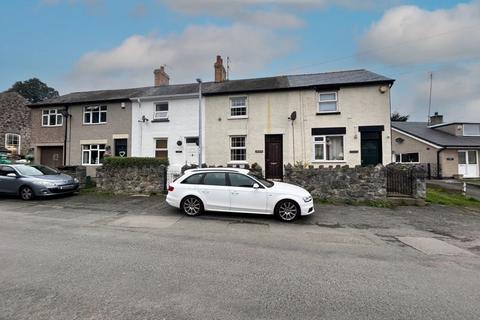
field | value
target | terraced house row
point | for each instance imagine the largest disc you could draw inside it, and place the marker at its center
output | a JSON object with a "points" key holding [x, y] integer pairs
{"points": [[337, 118]]}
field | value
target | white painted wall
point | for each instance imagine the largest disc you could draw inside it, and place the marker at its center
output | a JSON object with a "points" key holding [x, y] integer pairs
{"points": [[183, 123]]}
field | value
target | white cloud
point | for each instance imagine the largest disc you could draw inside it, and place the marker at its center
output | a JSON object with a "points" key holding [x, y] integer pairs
{"points": [[188, 55], [455, 93], [410, 35]]}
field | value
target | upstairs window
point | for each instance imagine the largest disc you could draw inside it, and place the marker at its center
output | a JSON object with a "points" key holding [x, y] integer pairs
{"points": [[327, 102], [93, 153], [328, 148], [238, 148], [161, 148], [12, 142], [161, 111], [52, 118], [471, 129], [238, 107], [95, 115]]}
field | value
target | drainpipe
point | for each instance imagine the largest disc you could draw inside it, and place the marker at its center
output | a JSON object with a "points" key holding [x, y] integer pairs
{"points": [[200, 142], [66, 115]]}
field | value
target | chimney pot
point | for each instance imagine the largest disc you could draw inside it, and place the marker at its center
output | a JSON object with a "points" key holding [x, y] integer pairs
{"points": [[220, 73], [161, 78], [436, 119]]}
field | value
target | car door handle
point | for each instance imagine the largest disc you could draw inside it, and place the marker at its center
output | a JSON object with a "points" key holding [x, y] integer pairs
{"points": [[235, 193], [205, 191]]}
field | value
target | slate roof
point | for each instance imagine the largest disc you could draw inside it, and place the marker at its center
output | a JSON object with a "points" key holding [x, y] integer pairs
{"points": [[435, 136], [328, 79]]}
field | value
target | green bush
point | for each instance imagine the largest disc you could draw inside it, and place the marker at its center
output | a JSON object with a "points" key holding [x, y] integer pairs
{"points": [[119, 162]]}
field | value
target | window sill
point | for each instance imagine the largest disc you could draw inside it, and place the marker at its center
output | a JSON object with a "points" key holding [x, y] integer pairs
{"points": [[92, 165], [239, 117], [329, 161], [325, 113], [94, 124], [56, 126], [237, 162], [160, 120]]}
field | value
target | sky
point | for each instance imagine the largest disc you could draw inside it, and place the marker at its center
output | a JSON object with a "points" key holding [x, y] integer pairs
{"points": [[76, 45]]}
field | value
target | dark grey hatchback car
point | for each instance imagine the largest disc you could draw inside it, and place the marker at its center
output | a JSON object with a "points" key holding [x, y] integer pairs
{"points": [[34, 181]]}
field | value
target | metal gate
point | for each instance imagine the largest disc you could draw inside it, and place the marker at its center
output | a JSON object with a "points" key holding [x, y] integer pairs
{"points": [[400, 182]]}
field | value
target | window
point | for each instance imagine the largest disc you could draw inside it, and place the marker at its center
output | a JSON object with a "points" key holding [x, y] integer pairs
{"points": [[328, 148], [161, 111], [238, 107], [239, 180], [192, 140], [238, 148], [194, 179], [12, 142], [471, 129], [93, 153], [4, 170], [407, 157], [327, 102], [161, 148], [215, 179], [95, 115], [52, 118]]}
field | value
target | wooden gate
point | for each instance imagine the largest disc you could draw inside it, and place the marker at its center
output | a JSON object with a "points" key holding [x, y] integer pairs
{"points": [[400, 182]]}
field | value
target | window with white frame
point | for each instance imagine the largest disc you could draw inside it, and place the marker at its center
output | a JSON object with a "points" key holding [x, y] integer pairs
{"points": [[161, 148], [161, 111], [52, 118], [407, 157], [93, 153], [471, 129], [95, 115], [238, 107], [12, 142], [327, 102], [328, 148], [238, 148]]}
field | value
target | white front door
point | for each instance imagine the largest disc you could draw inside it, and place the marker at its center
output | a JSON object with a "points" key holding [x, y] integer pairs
{"points": [[191, 150], [468, 163], [245, 198]]}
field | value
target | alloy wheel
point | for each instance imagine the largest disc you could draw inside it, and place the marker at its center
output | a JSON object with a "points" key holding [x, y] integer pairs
{"points": [[26, 193], [192, 206], [287, 211]]}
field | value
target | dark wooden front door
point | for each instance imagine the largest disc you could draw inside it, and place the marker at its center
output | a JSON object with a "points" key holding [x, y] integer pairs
{"points": [[121, 147], [274, 156], [371, 148], [51, 156]]}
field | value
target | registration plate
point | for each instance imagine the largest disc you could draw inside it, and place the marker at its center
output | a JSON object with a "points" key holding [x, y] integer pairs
{"points": [[67, 187]]}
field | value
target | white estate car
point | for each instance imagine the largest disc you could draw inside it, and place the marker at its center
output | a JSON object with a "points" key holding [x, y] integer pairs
{"points": [[237, 190]]}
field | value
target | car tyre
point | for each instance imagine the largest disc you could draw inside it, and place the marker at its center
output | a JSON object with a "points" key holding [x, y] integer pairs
{"points": [[26, 193], [287, 210], [192, 206]]}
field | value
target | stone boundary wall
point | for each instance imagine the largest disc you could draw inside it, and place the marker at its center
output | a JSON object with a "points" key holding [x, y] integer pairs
{"points": [[78, 172], [133, 179], [341, 182]]}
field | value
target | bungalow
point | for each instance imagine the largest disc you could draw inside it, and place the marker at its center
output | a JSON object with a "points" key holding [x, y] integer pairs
{"points": [[450, 149]]}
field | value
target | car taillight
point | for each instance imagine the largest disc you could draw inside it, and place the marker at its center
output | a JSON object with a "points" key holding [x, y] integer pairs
{"points": [[170, 188]]}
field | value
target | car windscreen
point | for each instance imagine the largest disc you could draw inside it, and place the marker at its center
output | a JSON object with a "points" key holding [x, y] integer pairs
{"points": [[265, 182], [29, 171], [46, 170]]}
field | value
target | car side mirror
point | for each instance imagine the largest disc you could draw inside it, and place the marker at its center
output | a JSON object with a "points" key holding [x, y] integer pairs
{"points": [[12, 175], [256, 186]]}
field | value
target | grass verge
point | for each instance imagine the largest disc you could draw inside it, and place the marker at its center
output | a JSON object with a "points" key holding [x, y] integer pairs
{"points": [[437, 195]]}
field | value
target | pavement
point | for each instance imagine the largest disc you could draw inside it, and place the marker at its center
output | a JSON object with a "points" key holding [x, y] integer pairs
{"points": [[102, 257]]}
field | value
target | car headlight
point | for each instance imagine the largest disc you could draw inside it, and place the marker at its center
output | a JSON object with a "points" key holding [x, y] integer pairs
{"points": [[307, 199], [75, 180], [46, 184]]}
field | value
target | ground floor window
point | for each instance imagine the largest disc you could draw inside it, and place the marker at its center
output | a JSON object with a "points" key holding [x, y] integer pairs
{"points": [[93, 153], [238, 148], [328, 148], [407, 157], [12, 142], [161, 148]]}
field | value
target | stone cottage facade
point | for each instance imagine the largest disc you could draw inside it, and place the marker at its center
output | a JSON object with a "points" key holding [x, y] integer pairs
{"points": [[15, 132]]}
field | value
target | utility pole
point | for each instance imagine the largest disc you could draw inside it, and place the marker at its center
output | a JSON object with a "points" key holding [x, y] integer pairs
{"points": [[430, 98]]}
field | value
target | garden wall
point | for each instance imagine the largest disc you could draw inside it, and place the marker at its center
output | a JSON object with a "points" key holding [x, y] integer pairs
{"points": [[132, 175]]}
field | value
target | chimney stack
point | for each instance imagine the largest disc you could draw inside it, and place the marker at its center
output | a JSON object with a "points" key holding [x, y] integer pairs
{"points": [[161, 77], [220, 73], [436, 119]]}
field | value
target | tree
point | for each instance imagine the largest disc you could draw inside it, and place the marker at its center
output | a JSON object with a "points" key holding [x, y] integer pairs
{"points": [[34, 90], [396, 116]]}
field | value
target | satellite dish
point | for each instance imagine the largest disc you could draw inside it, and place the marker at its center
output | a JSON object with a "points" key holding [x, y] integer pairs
{"points": [[293, 116]]}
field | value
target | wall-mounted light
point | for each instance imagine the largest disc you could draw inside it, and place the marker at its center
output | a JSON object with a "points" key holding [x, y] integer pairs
{"points": [[383, 89]]}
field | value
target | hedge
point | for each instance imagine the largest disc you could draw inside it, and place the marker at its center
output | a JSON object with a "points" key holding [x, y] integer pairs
{"points": [[119, 162]]}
